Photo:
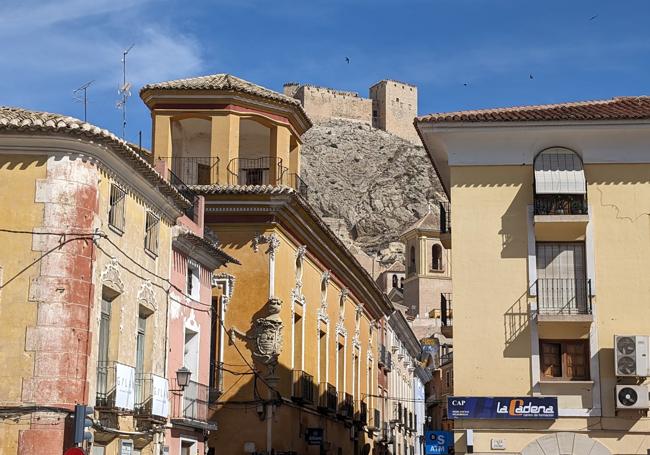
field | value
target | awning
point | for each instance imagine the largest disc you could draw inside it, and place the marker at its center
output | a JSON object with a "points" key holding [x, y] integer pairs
{"points": [[559, 171]]}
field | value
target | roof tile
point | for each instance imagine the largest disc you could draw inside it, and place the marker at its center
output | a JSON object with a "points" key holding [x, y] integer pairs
{"points": [[620, 108]]}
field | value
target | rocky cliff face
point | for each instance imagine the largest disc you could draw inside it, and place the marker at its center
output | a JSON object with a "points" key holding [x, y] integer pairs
{"points": [[376, 183]]}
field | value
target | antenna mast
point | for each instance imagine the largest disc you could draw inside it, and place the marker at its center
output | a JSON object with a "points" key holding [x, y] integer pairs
{"points": [[124, 91], [77, 98]]}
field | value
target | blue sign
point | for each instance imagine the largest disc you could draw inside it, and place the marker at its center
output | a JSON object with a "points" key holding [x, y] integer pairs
{"points": [[502, 407], [438, 442]]}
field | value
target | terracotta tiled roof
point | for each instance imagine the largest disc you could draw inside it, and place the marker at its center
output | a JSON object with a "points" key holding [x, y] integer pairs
{"points": [[201, 242], [16, 120], [428, 222], [228, 83], [242, 189], [621, 108], [397, 266]]}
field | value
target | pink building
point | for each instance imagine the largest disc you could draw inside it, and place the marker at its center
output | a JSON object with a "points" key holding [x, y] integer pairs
{"points": [[193, 319]]}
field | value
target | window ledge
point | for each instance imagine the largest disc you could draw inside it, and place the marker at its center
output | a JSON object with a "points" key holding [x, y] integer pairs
{"points": [[151, 253], [116, 230], [566, 381]]}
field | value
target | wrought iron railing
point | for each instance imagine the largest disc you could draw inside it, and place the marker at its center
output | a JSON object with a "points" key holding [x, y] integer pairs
{"points": [[361, 413], [264, 170], [345, 406], [445, 217], [389, 361], [563, 296], [191, 403], [195, 170], [446, 358], [216, 382], [297, 183], [446, 313], [107, 381], [185, 191], [560, 204], [144, 397], [303, 386], [376, 419], [327, 397]]}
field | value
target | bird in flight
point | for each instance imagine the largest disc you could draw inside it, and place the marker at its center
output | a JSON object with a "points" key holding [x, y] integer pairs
{"points": [[347, 60], [593, 17], [466, 84], [530, 76]]}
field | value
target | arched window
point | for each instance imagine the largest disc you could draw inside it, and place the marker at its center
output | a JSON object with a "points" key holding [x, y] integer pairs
{"points": [[394, 280], [412, 260], [401, 283], [436, 257], [560, 185]]}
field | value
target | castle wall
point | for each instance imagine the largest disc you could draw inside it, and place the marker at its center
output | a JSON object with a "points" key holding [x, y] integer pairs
{"points": [[395, 105], [323, 104]]}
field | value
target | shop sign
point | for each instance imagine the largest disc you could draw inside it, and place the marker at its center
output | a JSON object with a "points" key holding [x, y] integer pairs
{"points": [[314, 436], [160, 399], [124, 386], [438, 442], [502, 407]]}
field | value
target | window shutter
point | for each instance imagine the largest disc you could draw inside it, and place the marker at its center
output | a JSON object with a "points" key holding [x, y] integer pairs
{"points": [[576, 360], [551, 360]]}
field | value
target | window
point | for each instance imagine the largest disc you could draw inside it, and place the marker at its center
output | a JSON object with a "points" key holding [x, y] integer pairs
{"points": [[395, 281], [567, 360], [116, 211], [152, 228], [447, 379], [193, 283], [412, 259], [102, 351], [401, 283], [436, 257], [297, 342], [188, 447], [139, 359], [561, 278], [560, 184]]}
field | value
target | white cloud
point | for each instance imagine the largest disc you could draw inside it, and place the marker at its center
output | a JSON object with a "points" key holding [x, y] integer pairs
{"points": [[57, 46]]}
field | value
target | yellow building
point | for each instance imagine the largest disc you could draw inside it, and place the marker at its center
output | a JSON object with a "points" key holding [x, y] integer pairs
{"points": [[296, 347], [84, 260], [550, 253]]}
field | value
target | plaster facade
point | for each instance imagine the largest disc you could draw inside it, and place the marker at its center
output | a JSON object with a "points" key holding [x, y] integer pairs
{"points": [[59, 259], [498, 322]]}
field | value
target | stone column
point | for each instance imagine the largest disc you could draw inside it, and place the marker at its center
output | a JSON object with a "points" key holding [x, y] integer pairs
{"points": [[224, 144], [162, 138], [280, 142]]}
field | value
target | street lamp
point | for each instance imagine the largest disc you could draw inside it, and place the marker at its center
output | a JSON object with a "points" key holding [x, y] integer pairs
{"points": [[183, 377]]}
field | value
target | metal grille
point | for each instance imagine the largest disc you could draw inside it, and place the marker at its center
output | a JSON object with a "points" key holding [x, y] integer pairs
{"points": [[116, 211], [152, 228]]}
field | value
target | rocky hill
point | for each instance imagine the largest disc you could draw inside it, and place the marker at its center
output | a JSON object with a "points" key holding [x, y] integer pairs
{"points": [[375, 182]]}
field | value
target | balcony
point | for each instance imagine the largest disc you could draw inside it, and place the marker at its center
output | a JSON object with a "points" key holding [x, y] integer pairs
{"points": [[564, 299], [375, 423], [264, 170], [446, 358], [560, 217], [446, 315], [297, 183], [445, 224], [389, 361], [345, 406], [194, 170], [360, 413], [189, 408], [115, 387], [327, 397], [151, 397], [303, 387], [184, 190], [216, 382]]}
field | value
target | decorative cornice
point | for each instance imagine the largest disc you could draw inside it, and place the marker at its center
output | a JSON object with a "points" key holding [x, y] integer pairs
{"points": [[219, 281], [112, 277], [147, 296]]}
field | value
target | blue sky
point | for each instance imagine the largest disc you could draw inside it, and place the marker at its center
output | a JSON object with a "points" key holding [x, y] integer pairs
{"points": [[493, 46]]}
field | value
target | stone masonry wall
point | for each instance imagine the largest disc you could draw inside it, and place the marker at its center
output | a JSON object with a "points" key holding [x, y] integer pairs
{"points": [[323, 104]]}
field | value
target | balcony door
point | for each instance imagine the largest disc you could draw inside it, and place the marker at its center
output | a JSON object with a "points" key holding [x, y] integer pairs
{"points": [[561, 278]]}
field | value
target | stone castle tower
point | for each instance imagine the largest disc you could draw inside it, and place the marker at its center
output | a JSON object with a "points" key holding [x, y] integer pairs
{"points": [[391, 105]]}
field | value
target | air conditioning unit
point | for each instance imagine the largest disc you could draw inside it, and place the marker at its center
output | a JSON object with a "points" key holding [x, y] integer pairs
{"points": [[632, 397], [631, 355]]}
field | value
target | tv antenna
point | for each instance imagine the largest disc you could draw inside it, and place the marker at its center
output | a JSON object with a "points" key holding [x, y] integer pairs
{"points": [[124, 91], [79, 98]]}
